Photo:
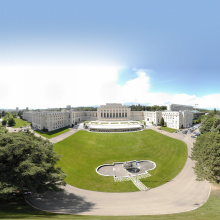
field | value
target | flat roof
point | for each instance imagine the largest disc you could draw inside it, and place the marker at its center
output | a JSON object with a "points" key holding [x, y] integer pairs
{"points": [[114, 126]]}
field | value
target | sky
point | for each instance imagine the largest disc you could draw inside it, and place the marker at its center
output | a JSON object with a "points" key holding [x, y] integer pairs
{"points": [[91, 52]]}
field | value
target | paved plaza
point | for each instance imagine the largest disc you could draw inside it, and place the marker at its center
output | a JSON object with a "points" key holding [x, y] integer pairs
{"points": [[118, 170]]}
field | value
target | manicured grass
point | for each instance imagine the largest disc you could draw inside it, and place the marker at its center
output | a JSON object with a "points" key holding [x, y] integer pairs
{"points": [[171, 130], [20, 123], [94, 123], [51, 134], [18, 210], [84, 151]]}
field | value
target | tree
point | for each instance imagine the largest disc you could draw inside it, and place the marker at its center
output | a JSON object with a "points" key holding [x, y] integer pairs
{"points": [[206, 153], [4, 121], [215, 112], [20, 114], [27, 163], [3, 113], [11, 121], [162, 121], [15, 115], [216, 124], [3, 130], [206, 124]]}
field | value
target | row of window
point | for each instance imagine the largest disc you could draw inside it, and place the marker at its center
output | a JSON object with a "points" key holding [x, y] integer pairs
{"points": [[114, 115]]}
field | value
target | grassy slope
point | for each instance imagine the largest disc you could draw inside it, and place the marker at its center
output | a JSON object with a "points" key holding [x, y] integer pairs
{"points": [[20, 123], [20, 210], [84, 151], [171, 130], [51, 134]]}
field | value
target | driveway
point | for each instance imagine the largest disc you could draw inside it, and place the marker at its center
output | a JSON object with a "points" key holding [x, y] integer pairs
{"points": [[181, 194]]}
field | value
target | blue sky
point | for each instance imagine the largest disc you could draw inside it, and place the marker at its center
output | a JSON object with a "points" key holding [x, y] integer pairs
{"points": [[170, 48]]}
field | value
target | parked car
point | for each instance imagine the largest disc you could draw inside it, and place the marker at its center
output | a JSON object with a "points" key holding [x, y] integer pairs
{"points": [[184, 132], [196, 133], [27, 193], [193, 136]]}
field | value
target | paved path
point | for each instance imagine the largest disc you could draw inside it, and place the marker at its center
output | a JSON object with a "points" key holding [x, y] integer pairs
{"points": [[63, 136], [181, 194]]}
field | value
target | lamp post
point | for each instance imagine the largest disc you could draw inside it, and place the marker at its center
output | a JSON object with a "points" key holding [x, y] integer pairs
{"points": [[136, 170], [195, 106]]}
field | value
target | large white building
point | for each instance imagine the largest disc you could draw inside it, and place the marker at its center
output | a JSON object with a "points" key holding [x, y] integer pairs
{"points": [[113, 111], [119, 112], [52, 120], [178, 107], [177, 116]]}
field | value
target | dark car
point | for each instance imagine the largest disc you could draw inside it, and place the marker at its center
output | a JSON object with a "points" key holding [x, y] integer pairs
{"points": [[27, 193]]}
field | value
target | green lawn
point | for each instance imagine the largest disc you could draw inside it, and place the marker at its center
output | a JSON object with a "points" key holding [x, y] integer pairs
{"points": [[18, 209], [20, 123], [84, 151], [94, 123], [171, 130], [51, 134]]}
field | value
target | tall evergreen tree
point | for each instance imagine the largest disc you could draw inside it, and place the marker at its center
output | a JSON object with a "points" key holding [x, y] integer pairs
{"points": [[162, 121]]}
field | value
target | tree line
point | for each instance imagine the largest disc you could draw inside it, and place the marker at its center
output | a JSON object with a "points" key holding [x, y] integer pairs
{"points": [[9, 119], [148, 108], [206, 149], [133, 108]]}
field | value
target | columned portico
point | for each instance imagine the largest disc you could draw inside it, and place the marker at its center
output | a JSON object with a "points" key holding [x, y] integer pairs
{"points": [[113, 111]]}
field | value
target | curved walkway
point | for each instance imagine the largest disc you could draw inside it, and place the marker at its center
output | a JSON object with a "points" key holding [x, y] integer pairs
{"points": [[181, 194]]}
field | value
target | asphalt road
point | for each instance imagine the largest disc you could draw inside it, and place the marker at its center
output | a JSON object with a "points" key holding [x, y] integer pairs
{"points": [[181, 194]]}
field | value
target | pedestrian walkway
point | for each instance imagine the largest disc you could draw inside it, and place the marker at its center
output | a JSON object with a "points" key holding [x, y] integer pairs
{"points": [[138, 184], [63, 136]]}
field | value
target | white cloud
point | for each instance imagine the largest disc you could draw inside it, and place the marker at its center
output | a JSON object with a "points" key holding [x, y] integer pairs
{"points": [[58, 86]]}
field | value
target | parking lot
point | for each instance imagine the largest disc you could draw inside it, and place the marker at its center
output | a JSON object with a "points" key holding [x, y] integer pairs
{"points": [[192, 131]]}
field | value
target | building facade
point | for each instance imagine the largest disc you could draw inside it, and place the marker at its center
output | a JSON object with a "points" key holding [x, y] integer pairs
{"points": [[113, 111], [177, 107], [177, 116], [52, 120]]}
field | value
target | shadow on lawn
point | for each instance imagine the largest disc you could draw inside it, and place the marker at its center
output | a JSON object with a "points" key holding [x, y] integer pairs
{"points": [[60, 202]]}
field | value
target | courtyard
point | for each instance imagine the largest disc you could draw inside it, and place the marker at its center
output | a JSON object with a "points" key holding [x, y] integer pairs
{"points": [[84, 151]]}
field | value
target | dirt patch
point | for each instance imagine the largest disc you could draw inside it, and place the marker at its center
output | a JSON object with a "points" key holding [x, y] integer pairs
{"points": [[215, 187]]}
